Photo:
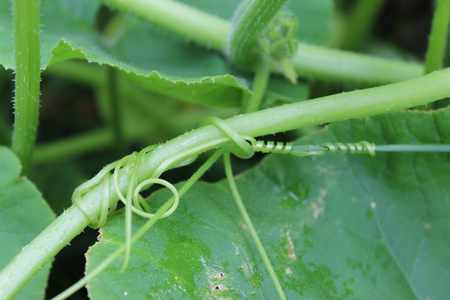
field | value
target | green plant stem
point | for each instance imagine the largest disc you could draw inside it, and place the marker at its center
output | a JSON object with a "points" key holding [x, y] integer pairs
{"points": [[359, 23], [58, 234], [310, 61], [27, 78], [116, 120], [343, 66], [248, 222], [438, 37], [262, 75], [249, 21], [91, 141], [84, 73], [356, 104], [179, 18]]}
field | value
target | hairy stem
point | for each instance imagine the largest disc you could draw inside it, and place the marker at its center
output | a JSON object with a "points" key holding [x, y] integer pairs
{"points": [[309, 61], [27, 78], [438, 38], [249, 21], [356, 104]]}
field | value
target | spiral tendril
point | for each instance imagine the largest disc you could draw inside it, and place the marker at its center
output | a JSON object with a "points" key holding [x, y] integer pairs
{"points": [[272, 147], [362, 147]]}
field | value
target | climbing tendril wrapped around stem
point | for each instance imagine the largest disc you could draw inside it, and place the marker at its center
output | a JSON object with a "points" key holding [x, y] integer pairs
{"points": [[133, 201]]}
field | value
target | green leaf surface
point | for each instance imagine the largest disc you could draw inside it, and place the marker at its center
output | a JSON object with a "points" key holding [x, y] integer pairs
{"points": [[158, 60], [280, 91], [23, 215], [337, 226]]}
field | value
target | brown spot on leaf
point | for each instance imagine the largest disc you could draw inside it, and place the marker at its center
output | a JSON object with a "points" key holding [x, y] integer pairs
{"points": [[291, 252]]}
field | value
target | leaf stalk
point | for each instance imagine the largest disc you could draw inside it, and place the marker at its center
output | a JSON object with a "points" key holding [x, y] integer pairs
{"points": [[26, 24]]}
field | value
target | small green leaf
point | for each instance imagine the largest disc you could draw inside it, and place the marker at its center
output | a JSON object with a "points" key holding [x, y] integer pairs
{"points": [[337, 226], [23, 215], [280, 91]]}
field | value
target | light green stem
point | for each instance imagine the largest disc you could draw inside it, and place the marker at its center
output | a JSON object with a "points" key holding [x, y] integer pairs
{"points": [[251, 228], [27, 78], [356, 104], [78, 71], [116, 119], [43, 248], [179, 18], [359, 23], [86, 142], [310, 61], [262, 75], [249, 21], [343, 66], [438, 38]]}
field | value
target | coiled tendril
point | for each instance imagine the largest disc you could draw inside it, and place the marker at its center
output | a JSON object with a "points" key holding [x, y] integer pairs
{"points": [[362, 147], [130, 164], [272, 147]]}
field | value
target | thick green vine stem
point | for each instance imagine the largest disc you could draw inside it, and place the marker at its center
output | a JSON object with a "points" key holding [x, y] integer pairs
{"points": [[309, 61], [438, 37], [27, 78], [249, 21], [356, 104]]}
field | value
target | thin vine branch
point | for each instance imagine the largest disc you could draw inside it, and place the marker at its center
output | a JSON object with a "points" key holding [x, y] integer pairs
{"points": [[26, 24], [251, 228], [438, 37], [260, 81]]}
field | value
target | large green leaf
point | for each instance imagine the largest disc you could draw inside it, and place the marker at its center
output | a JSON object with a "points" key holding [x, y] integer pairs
{"points": [[161, 62], [336, 227], [23, 214]]}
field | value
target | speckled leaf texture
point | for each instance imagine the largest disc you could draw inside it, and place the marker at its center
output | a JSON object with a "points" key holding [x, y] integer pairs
{"points": [[23, 215], [338, 226]]}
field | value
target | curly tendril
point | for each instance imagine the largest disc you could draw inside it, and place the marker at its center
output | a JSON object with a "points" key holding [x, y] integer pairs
{"points": [[241, 148], [133, 201], [272, 147], [362, 147]]}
